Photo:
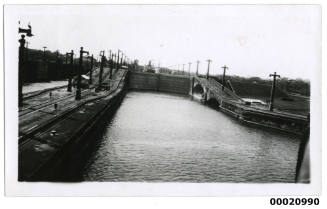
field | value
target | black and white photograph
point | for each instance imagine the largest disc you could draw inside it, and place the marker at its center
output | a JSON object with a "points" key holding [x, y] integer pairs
{"points": [[180, 99]]}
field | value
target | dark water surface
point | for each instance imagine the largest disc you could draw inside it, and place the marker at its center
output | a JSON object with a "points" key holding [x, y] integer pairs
{"points": [[168, 138]]}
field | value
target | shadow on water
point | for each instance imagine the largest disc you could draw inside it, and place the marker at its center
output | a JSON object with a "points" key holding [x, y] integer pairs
{"points": [[72, 166]]}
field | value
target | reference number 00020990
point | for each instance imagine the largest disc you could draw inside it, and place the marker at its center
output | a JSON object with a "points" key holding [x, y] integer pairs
{"points": [[294, 201]]}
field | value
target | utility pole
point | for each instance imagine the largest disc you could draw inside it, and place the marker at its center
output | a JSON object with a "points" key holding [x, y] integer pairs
{"points": [[197, 68], [79, 77], [209, 61], [113, 57], [57, 62], [117, 63], [70, 74], [111, 64], [91, 69], [271, 107], [121, 59], [113, 61], [223, 81], [189, 68], [101, 68], [44, 58], [183, 68]]}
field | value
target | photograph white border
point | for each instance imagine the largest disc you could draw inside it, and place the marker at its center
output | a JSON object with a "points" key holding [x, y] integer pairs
{"points": [[14, 188]]}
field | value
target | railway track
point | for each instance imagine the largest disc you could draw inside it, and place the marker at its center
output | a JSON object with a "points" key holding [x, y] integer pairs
{"points": [[37, 107], [38, 129]]}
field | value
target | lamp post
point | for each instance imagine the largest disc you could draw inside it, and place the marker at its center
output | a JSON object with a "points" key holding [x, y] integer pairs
{"points": [[57, 63], [20, 70], [113, 60], [117, 63], [44, 58], [223, 81], [91, 69], [101, 68], [111, 64], [121, 59], [197, 68], [272, 95], [21, 61], [209, 61], [70, 73], [79, 77]]}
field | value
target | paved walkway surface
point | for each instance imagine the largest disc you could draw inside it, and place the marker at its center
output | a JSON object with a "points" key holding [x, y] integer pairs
{"points": [[42, 108], [32, 87]]}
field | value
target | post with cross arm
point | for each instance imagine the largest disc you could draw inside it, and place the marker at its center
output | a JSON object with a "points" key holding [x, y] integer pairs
{"points": [[79, 76], [272, 95], [223, 81]]}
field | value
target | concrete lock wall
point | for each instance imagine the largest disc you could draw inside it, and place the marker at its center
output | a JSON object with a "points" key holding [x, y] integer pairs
{"points": [[159, 82]]}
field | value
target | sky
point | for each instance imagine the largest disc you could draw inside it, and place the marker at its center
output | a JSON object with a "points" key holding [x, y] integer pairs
{"points": [[252, 40]]}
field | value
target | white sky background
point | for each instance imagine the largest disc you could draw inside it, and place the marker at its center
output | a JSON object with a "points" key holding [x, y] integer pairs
{"points": [[251, 40]]}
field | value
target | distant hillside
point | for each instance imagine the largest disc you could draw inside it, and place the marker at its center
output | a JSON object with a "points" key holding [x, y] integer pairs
{"points": [[285, 85], [256, 90]]}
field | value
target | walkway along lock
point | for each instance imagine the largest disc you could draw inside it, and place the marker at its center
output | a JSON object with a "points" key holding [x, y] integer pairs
{"points": [[71, 70], [80, 67]]}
